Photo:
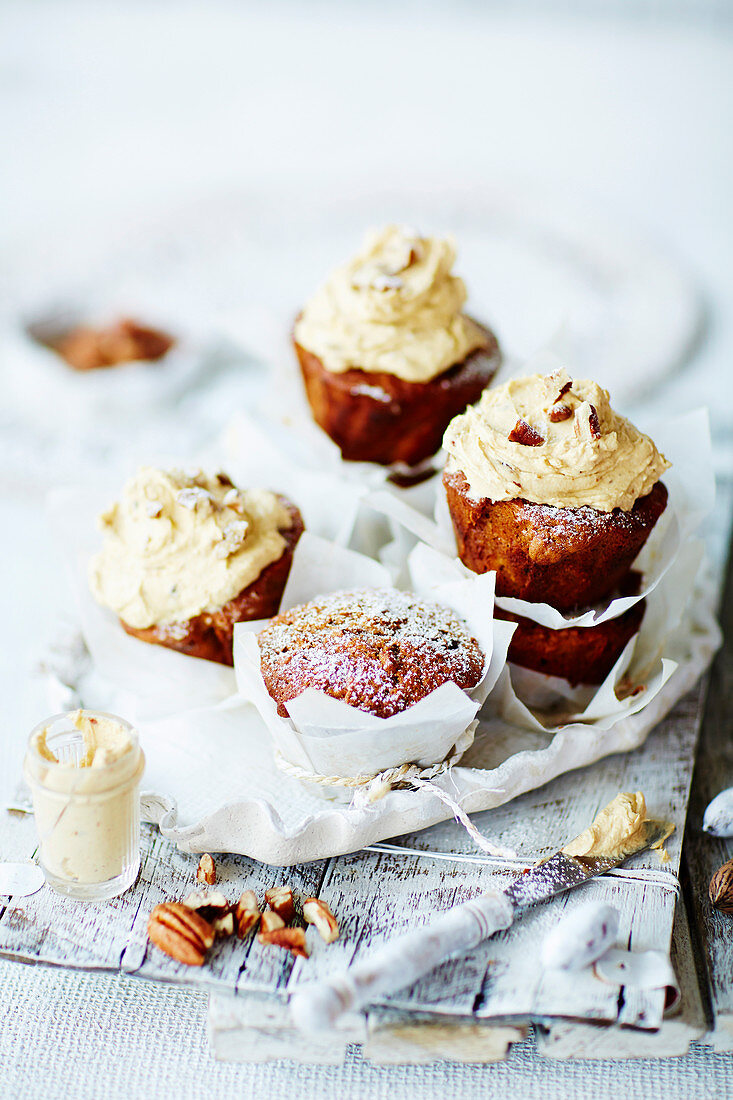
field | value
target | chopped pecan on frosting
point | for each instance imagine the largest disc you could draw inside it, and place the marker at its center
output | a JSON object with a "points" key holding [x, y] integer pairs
{"points": [[177, 544], [395, 307], [588, 455]]}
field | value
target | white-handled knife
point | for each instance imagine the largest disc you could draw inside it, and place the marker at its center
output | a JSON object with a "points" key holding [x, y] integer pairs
{"points": [[317, 1006]]}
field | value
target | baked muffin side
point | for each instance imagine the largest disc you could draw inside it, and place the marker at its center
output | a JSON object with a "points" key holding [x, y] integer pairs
{"points": [[578, 654]]}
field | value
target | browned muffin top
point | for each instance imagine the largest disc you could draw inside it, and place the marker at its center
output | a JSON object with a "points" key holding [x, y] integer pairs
{"points": [[380, 650]]}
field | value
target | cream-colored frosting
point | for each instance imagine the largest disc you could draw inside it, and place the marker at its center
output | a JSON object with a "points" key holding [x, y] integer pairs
{"points": [[177, 544], [105, 741], [87, 807], [620, 829], [394, 307], [594, 457]]}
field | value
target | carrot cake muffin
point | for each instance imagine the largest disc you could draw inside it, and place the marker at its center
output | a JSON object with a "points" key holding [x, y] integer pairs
{"points": [[186, 556], [387, 354], [558, 493], [379, 650]]}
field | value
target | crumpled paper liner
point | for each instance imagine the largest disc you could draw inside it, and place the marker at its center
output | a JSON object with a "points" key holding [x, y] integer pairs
{"points": [[685, 440], [537, 702], [155, 680], [329, 737]]}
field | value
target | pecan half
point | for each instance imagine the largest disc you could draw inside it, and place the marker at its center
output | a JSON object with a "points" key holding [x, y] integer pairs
{"points": [[317, 913], [721, 888], [246, 913], [214, 908], [524, 433], [280, 900], [206, 870], [292, 939], [180, 932], [269, 922], [594, 423], [558, 413]]}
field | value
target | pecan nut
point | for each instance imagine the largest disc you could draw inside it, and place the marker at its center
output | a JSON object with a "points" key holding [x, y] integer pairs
{"points": [[292, 939], [524, 433], [594, 423], [721, 888], [206, 870], [180, 932], [280, 900], [214, 908], [559, 413], [317, 913], [269, 922], [246, 913]]}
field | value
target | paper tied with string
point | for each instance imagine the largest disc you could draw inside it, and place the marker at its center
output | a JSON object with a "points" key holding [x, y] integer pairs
{"points": [[327, 739], [684, 440], [147, 680]]}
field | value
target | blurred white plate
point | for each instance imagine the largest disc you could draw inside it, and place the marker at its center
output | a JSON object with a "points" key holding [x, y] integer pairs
{"points": [[533, 264]]}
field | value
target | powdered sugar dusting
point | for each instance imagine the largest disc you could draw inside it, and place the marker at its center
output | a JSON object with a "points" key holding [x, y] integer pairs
{"points": [[380, 650]]}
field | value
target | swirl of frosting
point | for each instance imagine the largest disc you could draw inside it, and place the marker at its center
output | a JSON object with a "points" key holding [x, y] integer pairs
{"points": [[177, 544], [551, 440], [394, 307]]}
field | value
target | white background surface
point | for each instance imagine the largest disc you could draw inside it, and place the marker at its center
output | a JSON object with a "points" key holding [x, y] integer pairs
{"points": [[107, 109]]}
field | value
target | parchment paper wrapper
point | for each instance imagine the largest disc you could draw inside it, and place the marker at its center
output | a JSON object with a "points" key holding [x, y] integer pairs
{"points": [[685, 441], [156, 680], [536, 702], [330, 738]]}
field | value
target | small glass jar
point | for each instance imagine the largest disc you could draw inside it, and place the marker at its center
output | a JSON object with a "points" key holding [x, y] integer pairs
{"points": [[84, 770]]}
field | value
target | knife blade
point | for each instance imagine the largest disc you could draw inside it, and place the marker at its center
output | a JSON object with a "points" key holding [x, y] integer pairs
{"points": [[317, 1006], [561, 872]]}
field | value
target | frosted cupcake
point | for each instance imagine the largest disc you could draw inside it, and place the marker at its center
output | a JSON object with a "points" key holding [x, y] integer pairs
{"points": [[185, 556], [558, 493], [387, 354]]}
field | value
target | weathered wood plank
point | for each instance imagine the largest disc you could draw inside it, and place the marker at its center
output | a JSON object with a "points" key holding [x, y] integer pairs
{"points": [[713, 931], [396, 1038], [257, 1028], [568, 1040]]}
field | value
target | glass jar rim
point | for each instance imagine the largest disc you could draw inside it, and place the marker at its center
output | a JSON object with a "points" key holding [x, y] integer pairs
{"points": [[46, 723]]}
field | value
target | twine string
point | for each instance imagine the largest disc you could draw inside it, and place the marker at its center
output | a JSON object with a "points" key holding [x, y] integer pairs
{"points": [[369, 789]]}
